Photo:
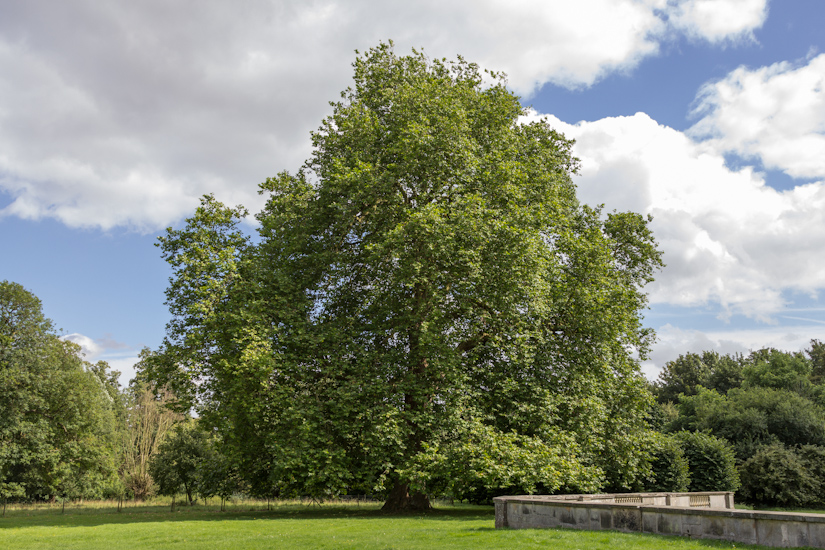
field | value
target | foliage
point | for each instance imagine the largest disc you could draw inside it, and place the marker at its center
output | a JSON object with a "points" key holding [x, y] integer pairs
{"points": [[681, 376], [481, 463], [690, 371], [778, 476], [816, 353], [772, 413], [711, 461], [770, 368], [218, 475], [800, 372], [148, 419], [661, 415], [58, 412], [752, 417], [670, 471], [429, 272], [813, 457], [178, 462]]}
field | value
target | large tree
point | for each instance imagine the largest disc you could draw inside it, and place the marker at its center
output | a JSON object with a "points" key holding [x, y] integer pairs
{"points": [[429, 308]]}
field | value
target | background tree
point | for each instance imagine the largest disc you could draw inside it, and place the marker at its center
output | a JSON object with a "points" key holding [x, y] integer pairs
{"points": [[771, 414], [427, 283], [711, 462], [57, 430], [177, 465], [681, 377], [218, 475], [670, 470], [770, 368], [691, 370], [148, 420], [777, 476], [749, 418], [816, 353]]}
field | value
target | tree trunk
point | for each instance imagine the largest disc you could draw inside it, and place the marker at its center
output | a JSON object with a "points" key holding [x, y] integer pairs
{"points": [[400, 500], [416, 399]]}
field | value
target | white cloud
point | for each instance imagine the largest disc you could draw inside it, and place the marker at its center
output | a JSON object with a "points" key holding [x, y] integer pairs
{"points": [[775, 114], [88, 347], [125, 366], [124, 113], [567, 43], [717, 21], [728, 239], [118, 355], [674, 342]]}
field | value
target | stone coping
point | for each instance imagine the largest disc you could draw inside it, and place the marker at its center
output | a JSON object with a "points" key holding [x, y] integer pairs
{"points": [[590, 497], [573, 502]]}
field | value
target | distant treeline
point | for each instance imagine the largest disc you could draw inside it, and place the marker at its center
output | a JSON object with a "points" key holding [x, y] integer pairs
{"points": [[67, 428], [752, 422], [768, 406]]}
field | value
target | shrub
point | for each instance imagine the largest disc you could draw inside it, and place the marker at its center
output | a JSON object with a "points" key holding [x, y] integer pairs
{"points": [[175, 467], [669, 467], [777, 476], [813, 457], [711, 461]]}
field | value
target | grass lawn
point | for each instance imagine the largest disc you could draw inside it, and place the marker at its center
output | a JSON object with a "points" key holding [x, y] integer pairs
{"points": [[300, 526]]}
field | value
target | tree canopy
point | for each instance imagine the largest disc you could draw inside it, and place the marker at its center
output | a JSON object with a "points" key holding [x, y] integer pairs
{"points": [[768, 405], [178, 463], [428, 304], [57, 427]]}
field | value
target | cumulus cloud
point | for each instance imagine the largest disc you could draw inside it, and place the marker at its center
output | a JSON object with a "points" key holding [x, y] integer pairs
{"points": [[775, 114], [719, 21], [728, 238], [124, 113], [108, 342], [90, 349], [120, 356], [97, 348]]}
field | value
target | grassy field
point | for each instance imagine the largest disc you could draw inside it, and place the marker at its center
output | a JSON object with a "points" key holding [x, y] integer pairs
{"points": [[295, 525]]}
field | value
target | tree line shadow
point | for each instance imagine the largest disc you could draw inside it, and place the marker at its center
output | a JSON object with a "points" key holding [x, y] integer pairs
{"points": [[88, 517]]}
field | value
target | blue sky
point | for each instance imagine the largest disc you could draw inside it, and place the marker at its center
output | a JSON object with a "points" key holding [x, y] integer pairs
{"points": [[707, 114]]}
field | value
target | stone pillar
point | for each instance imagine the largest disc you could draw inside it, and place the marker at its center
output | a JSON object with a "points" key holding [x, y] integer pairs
{"points": [[501, 513]]}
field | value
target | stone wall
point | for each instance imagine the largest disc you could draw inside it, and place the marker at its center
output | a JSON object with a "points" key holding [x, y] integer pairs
{"points": [[653, 515]]}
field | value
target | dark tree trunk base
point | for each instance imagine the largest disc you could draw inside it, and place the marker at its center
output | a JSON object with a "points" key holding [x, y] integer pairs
{"points": [[400, 500]]}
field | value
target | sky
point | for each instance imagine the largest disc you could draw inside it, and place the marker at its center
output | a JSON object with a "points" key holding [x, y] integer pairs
{"points": [[709, 115]]}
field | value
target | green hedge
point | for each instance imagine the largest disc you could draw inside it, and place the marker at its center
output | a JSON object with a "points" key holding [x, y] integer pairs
{"points": [[779, 476], [711, 461], [670, 471]]}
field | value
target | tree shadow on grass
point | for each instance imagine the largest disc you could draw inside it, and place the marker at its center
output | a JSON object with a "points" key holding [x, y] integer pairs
{"points": [[149, 514]]}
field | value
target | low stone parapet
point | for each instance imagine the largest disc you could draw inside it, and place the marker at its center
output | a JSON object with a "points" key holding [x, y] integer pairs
{"points": [[694, 515]]}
